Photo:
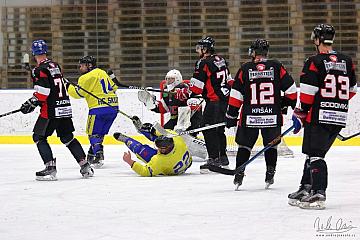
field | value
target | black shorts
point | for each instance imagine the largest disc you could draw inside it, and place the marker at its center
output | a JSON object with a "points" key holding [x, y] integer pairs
{"points": [[319, 138], [46, 127], [214, 112], [246, 136]]}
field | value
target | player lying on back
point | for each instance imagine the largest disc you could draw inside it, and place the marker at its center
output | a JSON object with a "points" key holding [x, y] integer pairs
{"points": [[171, 157]]}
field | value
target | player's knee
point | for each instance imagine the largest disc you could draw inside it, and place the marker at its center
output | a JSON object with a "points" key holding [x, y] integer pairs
{"points": [[38, 138], [67, 139]]}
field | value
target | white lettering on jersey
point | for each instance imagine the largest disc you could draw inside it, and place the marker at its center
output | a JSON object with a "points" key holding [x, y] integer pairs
{"points": [[261, 74], [332, 117], [335, 66], [261, 121], [334, 105], [63, 112], [262, 110]]}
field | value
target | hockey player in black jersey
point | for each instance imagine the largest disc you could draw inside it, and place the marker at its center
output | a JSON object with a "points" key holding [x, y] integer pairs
{"points": [[211, 79], [327, 82], [55, 113], [257, 91]]}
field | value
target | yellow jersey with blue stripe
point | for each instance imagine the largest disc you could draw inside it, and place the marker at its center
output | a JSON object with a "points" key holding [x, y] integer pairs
{"points": [[174, 163], [97, 82]]}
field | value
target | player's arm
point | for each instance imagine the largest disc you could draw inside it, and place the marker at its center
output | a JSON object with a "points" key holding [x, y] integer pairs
{"points": [[150, 169], [197, 82], [353, 82], [83, 83], [288, 86], [41, 84], [309, 85], [236, 100]]}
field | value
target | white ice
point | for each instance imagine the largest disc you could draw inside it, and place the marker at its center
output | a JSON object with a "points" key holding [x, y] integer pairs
{"points": [[118, 204]]}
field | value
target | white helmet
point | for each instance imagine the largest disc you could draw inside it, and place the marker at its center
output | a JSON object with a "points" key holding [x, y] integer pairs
{"points": [[173, 78]]}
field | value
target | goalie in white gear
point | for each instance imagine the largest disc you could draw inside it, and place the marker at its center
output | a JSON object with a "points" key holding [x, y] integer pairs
{"points": [[169, 104]]}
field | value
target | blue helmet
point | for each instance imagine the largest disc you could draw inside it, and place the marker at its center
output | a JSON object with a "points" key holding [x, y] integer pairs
{"points": [[39, 47]]}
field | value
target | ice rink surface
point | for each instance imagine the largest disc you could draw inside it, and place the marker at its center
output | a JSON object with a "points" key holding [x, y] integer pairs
{"points": [[117, 204]]}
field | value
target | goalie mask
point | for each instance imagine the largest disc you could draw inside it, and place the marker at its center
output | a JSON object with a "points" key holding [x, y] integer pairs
{"points": [[164, 144], [173, 78], [324, 32]]}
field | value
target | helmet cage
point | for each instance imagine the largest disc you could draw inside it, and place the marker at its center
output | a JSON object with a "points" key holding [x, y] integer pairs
{"points": [[173, 78]]}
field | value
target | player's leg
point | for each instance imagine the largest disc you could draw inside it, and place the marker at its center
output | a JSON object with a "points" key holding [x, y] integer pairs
{"points": [[64, 130], [42, 129], [211, 112], [246, 139], [322, 137], [269, 134], [142, 151]]}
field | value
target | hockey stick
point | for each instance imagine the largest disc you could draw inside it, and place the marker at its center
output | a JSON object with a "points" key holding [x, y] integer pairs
{"points": [[100, 99], [9, 113], [197, 130], [225, 171], [342, 138], [116, 81]]}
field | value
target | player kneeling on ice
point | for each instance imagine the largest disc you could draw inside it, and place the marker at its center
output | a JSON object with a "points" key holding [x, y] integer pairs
{"points": [[171, 157]]}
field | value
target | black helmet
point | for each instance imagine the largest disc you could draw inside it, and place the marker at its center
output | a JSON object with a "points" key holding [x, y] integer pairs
{"points": [[88, 60], [164, 142], [324, 32], [208, 43], [260, 47]]}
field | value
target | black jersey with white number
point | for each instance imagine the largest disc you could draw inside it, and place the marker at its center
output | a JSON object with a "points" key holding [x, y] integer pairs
{"points": [[257, 89], [50, 90], [327, 82], [211, 78]]}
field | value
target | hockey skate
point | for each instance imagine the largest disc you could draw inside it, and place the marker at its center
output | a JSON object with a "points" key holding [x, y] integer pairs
{"points": [[86, 170], [120, 137], [295, 197], [224, 161], [98, 161], [269, 176], [238, 180], [210, 161], [49, 173], [315, 200]]}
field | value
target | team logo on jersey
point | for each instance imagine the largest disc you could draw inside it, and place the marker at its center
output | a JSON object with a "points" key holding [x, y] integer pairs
{"points": [[338, 66], [260, 67], [219, 62], [261, 74], [333, 58]]}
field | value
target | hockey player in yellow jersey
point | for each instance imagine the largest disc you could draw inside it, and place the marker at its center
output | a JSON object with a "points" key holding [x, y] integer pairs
{"points": [[171, 157], [101, 115]]}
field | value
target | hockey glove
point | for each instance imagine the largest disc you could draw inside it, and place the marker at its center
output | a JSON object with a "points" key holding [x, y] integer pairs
{"points": [[298, 119], [182, 93], [148, 127], [230, 122], [29, 105]]}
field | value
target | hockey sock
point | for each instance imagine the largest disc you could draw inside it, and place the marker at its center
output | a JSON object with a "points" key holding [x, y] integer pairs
{"points": [[43, 148], [76, 150], [319, 173], [145, 152], [306, 177], [242, 155], [96, 142], [271, 157]]}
